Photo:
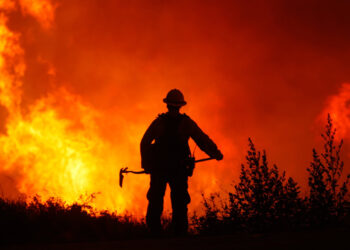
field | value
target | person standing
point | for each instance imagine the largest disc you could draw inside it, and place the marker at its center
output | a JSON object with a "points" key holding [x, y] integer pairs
{"points": [[165, 154]]}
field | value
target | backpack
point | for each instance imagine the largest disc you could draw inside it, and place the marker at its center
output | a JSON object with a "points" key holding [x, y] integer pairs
{"points": [[171, 149]]}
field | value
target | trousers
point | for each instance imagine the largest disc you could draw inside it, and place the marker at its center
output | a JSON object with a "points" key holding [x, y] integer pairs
{"points": [[180, 198]]}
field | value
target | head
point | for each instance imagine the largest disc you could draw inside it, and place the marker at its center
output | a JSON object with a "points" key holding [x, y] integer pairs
{"points": [[174, 100], [173, 109]]}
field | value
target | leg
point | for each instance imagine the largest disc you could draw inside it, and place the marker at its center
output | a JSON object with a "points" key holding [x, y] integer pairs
{"points": [[179, 200], [155, 197]]}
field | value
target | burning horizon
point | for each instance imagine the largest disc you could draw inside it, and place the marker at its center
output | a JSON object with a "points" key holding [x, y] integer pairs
{"points": [[80, 83]]}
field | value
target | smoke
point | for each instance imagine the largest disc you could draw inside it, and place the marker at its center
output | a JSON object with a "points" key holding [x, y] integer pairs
{"points": [[43, 11], [247, 69], [257, 69]]}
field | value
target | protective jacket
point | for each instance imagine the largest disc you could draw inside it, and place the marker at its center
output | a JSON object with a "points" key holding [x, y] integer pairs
{"points": [[164, 146], [165, 153]]}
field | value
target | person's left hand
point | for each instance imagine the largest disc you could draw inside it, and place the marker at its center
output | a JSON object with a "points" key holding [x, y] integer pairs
{"points": [[219, 156]]}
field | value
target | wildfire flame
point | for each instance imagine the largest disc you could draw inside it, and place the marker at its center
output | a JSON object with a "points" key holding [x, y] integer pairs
{"points": [[56, 147], [70, 142]]}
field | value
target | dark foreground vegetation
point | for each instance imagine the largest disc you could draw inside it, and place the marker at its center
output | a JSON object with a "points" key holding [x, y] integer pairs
{"points": [[53, 221], [264, 200]]}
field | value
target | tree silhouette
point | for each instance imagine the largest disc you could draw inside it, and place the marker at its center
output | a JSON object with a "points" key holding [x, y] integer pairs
{"points": [[263, 197], [327, 193]]}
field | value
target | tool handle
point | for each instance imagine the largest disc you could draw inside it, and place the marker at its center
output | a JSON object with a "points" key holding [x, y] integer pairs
{"points": [[125, 171], [135, 172], [205, 159]]}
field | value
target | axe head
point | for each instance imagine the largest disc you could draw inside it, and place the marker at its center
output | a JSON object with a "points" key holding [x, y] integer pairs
{"points": [[121, 176]]}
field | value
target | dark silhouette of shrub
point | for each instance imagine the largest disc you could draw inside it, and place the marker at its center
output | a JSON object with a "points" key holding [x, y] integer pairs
{"points": [[213, 221], [263, 199], [327, 198], [54, 221]]}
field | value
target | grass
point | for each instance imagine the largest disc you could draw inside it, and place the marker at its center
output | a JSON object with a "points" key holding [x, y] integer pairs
{"points": [[53, 221]]}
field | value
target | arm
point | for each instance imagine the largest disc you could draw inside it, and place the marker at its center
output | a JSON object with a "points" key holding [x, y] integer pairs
{"points": [[146, 146], [204, 142]]}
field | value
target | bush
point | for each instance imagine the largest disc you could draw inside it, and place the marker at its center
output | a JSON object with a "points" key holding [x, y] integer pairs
{"points": [[54, 221], [264, 200], [326, 201]]}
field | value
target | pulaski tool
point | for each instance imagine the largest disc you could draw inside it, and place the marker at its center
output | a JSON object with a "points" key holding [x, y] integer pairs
{"points": [[126, 171]]}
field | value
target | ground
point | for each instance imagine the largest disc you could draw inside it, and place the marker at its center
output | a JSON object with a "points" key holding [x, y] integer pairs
{"points": [[336, 238]]}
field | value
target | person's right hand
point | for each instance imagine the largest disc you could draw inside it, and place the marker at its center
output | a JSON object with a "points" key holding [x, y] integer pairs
{"points": [[219, 156], [147, 166]]}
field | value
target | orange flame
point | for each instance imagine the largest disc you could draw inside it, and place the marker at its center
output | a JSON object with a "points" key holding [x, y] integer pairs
{"points": [[55, 149], [12, 67], [58, 146]]}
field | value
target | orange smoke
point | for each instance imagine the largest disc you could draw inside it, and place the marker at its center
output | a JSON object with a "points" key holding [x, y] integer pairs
{"points": [[43, 11], [338, 106], [7, 4], [80, 83]]}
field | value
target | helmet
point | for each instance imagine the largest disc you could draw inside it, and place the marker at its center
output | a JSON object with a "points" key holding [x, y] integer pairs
{"points": [[175, 98]]}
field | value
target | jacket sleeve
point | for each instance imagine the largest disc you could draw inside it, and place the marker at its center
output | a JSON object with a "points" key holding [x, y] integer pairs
{"points": [[146, 146], [202, 140]]}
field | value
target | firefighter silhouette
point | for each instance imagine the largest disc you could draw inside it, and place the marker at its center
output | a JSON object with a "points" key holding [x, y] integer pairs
{"points": [[165, 154]]}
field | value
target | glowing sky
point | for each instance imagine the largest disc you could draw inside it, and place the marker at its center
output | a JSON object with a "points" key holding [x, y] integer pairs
{"points": [[268, 70]]}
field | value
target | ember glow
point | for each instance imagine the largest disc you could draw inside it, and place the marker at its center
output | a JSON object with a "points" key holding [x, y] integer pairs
{"points": [[80, 82]]}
